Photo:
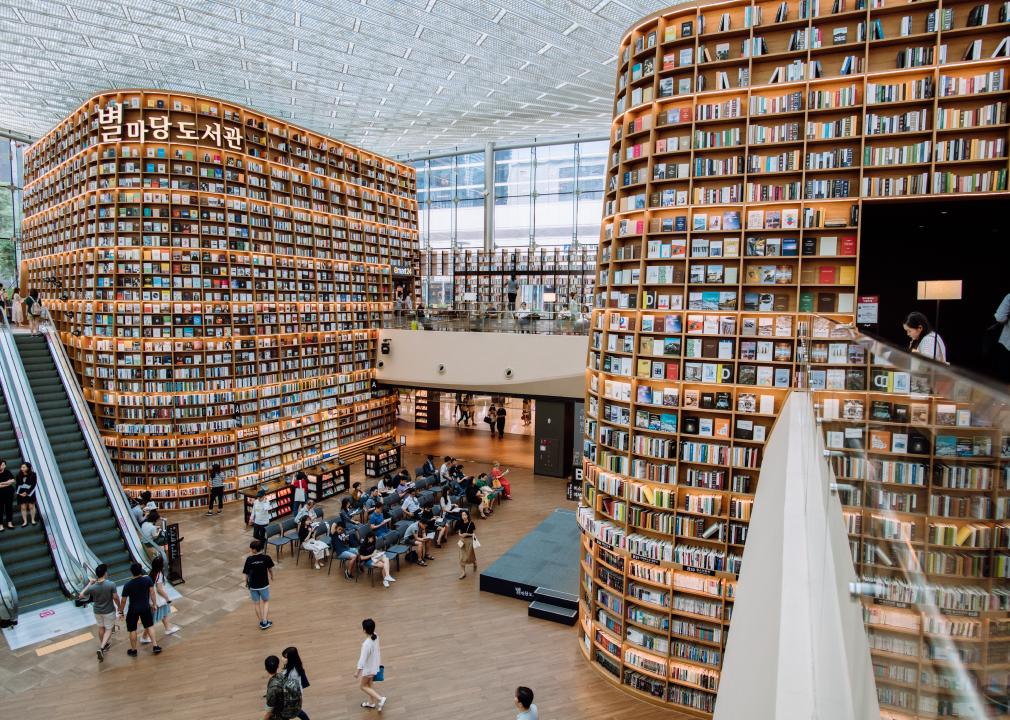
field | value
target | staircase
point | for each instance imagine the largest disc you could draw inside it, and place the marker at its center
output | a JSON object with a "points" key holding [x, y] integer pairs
{"points": [[80, 475], [554, 605], [24, 550]]}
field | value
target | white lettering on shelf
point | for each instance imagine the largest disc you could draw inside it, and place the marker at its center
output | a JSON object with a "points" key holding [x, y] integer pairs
{"points": [[113, 129]]}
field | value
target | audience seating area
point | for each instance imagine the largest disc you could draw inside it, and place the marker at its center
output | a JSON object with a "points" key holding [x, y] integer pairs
{"points": [[429, 489]]}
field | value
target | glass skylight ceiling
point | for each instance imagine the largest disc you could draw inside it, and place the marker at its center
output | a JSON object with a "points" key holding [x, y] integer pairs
{"points": [[394, 76]]}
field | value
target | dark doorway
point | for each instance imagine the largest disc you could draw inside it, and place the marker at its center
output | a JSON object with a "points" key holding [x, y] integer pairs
{"points": [[939, 239]]}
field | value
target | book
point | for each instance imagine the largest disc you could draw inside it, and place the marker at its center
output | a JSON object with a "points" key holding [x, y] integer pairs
{"points": [[755, 219]]}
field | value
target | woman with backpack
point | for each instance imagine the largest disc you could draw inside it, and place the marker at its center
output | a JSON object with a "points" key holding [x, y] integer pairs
{"points": [[294, 669], [370, 665], [33, 308]]}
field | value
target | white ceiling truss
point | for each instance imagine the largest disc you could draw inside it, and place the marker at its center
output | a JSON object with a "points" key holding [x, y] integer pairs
{"points": [[393, 76]]}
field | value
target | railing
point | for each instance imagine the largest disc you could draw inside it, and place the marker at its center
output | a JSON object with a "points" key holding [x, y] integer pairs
{"points": [[497, 321], [73, 558], [920, 453], [106, 472]]}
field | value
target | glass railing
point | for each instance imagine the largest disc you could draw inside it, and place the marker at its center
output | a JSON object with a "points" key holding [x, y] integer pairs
{"points": [[107, 473], [920, 454], [494, 320]]}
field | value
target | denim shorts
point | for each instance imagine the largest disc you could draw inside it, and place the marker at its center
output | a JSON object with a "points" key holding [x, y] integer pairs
{"points": [[348, 555], [258, 594]]}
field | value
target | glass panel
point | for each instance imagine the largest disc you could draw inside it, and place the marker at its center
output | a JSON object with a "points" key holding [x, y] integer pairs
{"points": [[470, 176], [441, 179], [592, 168], [555, 169], [512, 221], [553, 218], [589, 219], [470, 223], [512, 173], [440, 223]]}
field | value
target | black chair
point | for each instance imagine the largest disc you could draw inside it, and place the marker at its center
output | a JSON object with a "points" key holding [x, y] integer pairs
{"points": [[420, 472], [277, 539], [391, 500]]}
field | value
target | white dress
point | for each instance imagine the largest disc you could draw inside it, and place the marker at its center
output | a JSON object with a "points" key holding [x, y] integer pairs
{"points": [[17, 310], [369, 660]]}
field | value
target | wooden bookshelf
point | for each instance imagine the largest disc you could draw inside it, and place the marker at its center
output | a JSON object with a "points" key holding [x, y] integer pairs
{"points": [[746, 138], [328, 479], [484, 275], [383, 459], [217, 276], [427, 409]]}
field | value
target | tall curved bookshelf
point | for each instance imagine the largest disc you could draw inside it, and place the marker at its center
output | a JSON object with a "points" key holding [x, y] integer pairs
{"points": [[747, 136], [217, 276]]}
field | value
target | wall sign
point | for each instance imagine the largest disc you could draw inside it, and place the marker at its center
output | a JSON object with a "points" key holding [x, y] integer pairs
{"points": [[157, 128], [867, 310]]}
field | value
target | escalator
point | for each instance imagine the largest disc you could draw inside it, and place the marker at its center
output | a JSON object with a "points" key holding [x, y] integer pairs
{"points": [[25, 550], [84, 487]]}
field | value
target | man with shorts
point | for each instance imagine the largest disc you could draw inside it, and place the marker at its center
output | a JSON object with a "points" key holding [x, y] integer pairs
{"points": [[102, 592], [139, 594], [344, 546], [258, 573]]}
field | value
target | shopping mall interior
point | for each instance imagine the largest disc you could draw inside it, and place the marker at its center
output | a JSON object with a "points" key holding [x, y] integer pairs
{"points": [[561, 359]]}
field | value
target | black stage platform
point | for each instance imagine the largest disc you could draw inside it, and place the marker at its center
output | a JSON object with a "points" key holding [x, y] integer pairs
{"points": [[546, 558]]}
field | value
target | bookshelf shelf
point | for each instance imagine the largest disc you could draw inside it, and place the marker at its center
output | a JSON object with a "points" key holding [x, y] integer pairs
{"points": [[427, 409], [217, 276], [732, 214], [382, 459]]}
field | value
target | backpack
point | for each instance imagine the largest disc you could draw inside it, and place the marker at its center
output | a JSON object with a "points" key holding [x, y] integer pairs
{"points": [[292, 696]]}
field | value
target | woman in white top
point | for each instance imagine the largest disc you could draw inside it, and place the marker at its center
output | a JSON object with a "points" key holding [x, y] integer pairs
{"points": [[922, 339], [17, 309], [369, 663]]}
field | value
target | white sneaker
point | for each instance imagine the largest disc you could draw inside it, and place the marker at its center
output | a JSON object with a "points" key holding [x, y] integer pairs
{"points": [[385, 583], [382, 701], [389, 578], [144, 641], [173, 630]]}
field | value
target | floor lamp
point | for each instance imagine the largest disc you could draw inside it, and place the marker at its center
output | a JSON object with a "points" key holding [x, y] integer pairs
{"points": [[938, 290]]}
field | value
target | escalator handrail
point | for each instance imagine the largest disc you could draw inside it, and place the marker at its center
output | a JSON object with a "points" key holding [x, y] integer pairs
{"points": [[74, 560], [106, 471]]}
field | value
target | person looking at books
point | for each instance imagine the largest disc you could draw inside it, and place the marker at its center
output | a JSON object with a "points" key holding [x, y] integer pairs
{"points": [[377, 523], [216, 488], [923, 340], [301, 490]]}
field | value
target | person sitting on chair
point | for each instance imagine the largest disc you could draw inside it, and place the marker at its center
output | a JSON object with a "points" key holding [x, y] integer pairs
{"points": [[410, 506], [344, 546]]}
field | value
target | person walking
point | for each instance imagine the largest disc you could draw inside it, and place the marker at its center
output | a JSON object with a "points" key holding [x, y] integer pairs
{"points": [[17, 308], [215, 485], [102, 592], [258, 571], [491, 418], [293, 668], [26, 483], [466, 530], [284, 695], [162, 603], [369, 665], [259, 518], [138, 595], [500, 421], [301, 491], [6, 497], [524, 704]]}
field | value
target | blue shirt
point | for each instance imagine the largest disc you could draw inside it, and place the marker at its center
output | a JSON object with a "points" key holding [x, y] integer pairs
{"points": [[374, 519]]}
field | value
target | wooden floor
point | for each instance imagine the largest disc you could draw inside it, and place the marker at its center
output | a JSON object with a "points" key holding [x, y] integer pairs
{"points": [[450, 651]]}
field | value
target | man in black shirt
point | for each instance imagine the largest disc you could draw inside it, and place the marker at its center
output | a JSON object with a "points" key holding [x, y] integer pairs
{"points": [[139, 594], [258, 573]]}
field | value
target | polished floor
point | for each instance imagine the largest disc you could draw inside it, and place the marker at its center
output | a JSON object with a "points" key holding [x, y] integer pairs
{"points": [[450, 651]]}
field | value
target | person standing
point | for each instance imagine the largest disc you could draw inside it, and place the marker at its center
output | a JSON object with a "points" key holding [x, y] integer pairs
{"points": [[301, 491], [162, 603], [216, 488], [369, 664], [293, 667], [138, 593], [33, 308], [259, 518], [471, 408], [152, 534], [923, 340], [524, 704], [491, 418], [511, 292], [466, 530], [3, 299], [527, 415], [17, 308], [6, 497], [26, 483], [258, 571], [500, 421], [102, 592]]}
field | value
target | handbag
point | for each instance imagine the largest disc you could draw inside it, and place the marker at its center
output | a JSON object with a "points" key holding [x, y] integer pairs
{"points": [[381, 675], [476, 542]]}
